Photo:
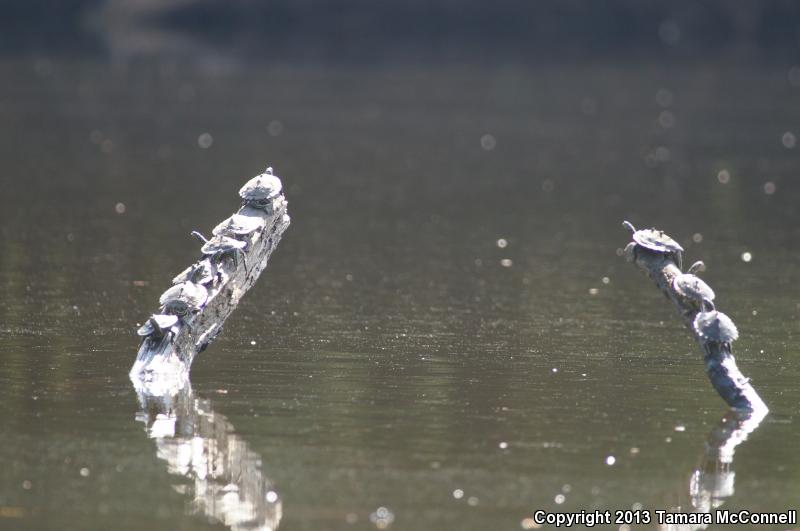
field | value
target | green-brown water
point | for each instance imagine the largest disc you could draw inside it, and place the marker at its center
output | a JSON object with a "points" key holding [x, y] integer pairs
{"points": [[395, 352]]}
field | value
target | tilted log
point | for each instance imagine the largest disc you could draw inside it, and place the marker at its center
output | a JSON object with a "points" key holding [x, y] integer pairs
{"points": [[168, 354], [720, 363]]}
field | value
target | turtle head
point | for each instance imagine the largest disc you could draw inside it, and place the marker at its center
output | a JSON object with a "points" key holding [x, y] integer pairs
{"points": [[199, 236], [175, 307], [697, 267], [628, 225]]}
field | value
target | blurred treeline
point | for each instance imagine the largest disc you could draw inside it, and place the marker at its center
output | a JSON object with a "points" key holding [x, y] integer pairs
{"points": [[364, 30]]}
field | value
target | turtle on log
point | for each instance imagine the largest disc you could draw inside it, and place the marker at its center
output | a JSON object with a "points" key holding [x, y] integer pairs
{"points": [[259, 191], [184, 298], [693, 288], [714, 326], [656, 241]]}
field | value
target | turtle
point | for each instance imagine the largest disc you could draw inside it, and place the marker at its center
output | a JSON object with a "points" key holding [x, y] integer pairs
{"points": [[656, 241], [201, 272], [259, 191], [238, 224], [157, 324], [181, 299], [714, 326], [692, 287], [218, 246]]}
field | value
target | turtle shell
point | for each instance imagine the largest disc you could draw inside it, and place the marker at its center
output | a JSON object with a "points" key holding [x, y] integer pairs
{"points": [[156, 322], [192, 295], [656, 240], [715, 326], [693, 287], [261, 187], [239, 224], [222, 244], [201, 272]]}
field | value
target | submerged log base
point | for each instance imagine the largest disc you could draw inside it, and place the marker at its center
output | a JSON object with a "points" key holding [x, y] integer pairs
{"points": [[720, 364], [163, 361]]}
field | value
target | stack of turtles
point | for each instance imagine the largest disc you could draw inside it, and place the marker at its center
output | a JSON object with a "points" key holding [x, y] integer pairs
{"points": [[709, 324], [229, 239]]}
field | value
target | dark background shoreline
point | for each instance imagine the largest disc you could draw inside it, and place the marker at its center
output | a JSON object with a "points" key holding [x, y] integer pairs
{"points": [[369, 32]]}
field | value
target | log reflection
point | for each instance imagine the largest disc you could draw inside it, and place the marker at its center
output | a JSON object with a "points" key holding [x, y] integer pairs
{"points": [[712, 482], [222, 476]]}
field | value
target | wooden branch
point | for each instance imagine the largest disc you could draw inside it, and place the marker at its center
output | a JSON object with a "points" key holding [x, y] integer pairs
{"points": [[170, 356], [720, 364]]}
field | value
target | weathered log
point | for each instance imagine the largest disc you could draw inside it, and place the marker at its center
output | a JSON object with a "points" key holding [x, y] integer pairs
{"points": [[221, 476], [720, 364], [167, 355]]}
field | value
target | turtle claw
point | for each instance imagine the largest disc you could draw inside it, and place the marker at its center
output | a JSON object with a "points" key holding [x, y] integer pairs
{"points": [[679, 260], [236, 254], [244, 261]]}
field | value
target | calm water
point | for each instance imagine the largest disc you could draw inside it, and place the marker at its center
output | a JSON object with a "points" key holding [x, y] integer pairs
{"points": [[394, 354]]}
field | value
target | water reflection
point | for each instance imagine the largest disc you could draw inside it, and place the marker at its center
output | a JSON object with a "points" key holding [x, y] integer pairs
{"points": [[712, 482], [225, 480]]}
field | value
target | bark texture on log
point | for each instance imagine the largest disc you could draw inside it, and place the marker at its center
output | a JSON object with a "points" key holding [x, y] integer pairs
{"points": [[161, 361], [720, 364]]}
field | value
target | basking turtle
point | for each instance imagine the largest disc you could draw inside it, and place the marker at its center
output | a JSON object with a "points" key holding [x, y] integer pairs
{"points": [[183, 298], [201, 272], [157, 325], [238, 224], [691, 287], [218, 246], [714, 326], [259, 191], [656, 241]]}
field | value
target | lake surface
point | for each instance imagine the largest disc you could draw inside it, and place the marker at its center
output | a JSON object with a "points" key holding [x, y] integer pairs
{"points": [[446, 330]]}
